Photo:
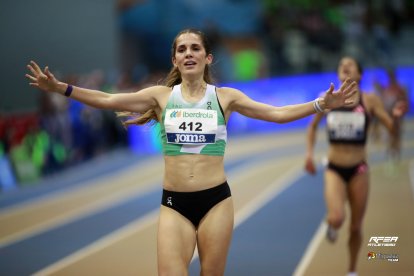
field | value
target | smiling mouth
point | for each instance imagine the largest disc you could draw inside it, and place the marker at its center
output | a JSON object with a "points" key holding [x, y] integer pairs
{"points": [[189, 63]]}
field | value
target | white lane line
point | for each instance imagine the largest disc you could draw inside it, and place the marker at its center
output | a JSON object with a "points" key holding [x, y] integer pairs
{"points": [[311, 249], [112, 238]]}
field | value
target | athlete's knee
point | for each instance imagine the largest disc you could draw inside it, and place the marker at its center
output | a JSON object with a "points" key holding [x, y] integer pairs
{"points": [[355, 229], [212, 266], [172, 271], [209, 270]]}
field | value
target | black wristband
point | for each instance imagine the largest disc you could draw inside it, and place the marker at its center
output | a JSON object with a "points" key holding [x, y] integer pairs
{"points": [[68, 90]]}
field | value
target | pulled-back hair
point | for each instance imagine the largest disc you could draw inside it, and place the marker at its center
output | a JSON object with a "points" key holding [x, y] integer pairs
{"points": [[173, 78]]}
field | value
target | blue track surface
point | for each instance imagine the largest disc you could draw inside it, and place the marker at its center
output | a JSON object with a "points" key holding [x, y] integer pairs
{"points": [[291, 218]]}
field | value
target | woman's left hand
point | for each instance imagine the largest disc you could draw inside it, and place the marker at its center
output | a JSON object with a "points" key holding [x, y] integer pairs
{"points": [[334, 99]]}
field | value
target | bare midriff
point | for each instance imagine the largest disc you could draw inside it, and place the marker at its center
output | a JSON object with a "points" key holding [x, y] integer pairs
{"points": [[346, 155], [193, 172]]}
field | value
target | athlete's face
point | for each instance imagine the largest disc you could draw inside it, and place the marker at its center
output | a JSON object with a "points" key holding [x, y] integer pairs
{"points": [[190, 55], [348, 68]]}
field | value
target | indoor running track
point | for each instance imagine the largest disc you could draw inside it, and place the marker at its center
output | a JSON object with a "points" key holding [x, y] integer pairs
{"points": [[100, 218]]}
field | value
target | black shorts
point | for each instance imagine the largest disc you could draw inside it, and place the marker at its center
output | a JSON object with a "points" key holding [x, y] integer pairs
{"points": [[195, 205], [347, 173]]}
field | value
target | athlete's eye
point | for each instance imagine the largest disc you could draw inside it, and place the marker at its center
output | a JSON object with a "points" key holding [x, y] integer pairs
{"points": [[181, 49]]}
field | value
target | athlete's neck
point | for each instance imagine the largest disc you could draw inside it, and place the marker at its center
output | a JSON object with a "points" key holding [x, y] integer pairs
{"points": [[193, 89]]}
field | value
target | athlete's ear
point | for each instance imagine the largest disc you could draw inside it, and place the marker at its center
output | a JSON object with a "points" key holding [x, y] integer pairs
{"points": [[209, 59], [173, 60]]}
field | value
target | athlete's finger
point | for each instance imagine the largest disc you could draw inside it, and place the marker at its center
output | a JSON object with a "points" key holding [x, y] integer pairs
{"points": [[32, 70], [31, 77], [351, 90], [35, 66], [345, 85], [349, 102], [331, 88], [48, 73]]}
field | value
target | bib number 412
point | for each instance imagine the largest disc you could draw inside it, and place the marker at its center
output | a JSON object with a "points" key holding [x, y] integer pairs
{"points": [[197, 126]]}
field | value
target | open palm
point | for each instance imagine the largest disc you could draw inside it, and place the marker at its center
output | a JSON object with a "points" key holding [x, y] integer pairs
{"points": [[43, 80], [341, 97]]}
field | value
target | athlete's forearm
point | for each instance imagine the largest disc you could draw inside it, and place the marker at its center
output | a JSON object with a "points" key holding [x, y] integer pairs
{"points": [[295, 112], [89, 97]]}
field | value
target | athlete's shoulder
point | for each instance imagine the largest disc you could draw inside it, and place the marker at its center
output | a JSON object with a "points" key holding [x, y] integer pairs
{"points": [[156, 89], [162, 89], [371, 101], [227, 89], [229, 92]]}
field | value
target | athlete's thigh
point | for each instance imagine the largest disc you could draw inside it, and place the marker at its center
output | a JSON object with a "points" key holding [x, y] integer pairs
{"points": [[358, 191], [214, 235], [335, 193], [176, 241]]}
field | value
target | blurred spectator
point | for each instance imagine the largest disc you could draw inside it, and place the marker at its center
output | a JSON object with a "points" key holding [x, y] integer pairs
{"points": [[294, 36], [7, 178], [60, 134], [55, 122]]}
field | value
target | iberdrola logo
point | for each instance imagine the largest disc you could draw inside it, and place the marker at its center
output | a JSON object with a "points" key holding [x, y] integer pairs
{"points": [[190, 114], [175, 114]]}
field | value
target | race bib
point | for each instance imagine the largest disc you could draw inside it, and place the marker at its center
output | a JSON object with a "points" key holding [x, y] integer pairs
{"points": [[190, 126], [346, 125]]}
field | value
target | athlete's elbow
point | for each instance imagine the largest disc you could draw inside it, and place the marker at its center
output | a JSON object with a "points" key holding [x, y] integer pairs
{"points": [[282, 120], [111, 102], [278, 118], [103, 103]]}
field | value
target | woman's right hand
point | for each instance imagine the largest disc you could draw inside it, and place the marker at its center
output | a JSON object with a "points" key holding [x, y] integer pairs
{"points": [[44, 80], [310, 166]]}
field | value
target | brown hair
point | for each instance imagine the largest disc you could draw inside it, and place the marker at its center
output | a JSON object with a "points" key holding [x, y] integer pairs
{"points": [[173, 78]]}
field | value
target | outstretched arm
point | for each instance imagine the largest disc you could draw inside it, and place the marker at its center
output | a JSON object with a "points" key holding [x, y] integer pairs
{"points": [[138, 102], [242, 104]]}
